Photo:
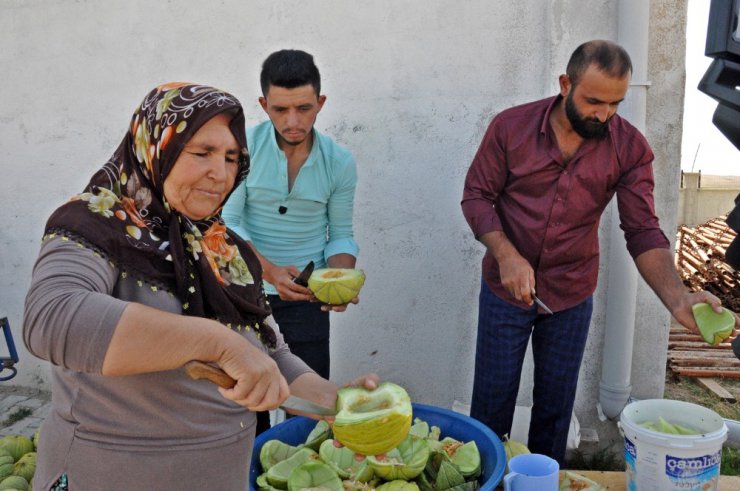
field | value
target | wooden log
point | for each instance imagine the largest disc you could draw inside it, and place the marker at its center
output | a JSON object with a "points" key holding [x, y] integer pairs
{"points": [[716, 354], [684, 337], [692, 344], [707, 372], [716, 389], [694, 261], [705, 362]]}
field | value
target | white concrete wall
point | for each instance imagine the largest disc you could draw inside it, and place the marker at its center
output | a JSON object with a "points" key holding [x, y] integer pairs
{"points": [[699, 202], [411, 87]]}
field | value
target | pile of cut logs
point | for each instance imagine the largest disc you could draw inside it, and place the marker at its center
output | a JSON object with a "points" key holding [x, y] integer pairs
{"points": [[700, 259]]}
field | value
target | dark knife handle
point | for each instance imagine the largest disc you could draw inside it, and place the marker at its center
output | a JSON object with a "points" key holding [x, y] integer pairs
{"points": [[302, 279], [197, 370]]}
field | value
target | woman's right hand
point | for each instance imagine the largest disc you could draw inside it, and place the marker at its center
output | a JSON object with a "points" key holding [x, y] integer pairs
{"points": [[259, 384]]}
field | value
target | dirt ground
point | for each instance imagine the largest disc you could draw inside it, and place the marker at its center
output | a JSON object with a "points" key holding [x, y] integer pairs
{"points": [[687, 389]]}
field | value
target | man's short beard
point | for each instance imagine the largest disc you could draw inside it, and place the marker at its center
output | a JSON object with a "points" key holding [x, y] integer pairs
{"points": [[586, 128]]}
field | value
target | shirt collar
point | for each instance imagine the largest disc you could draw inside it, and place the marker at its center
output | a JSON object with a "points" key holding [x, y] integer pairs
{"points": [[311, 155], [545, 125]]}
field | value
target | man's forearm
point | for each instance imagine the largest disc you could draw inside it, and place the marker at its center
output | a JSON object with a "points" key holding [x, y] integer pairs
{"points": [[499, 245], [342, 260], [657, 268]]}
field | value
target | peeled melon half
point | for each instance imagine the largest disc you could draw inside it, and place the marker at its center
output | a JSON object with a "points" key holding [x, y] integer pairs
{"points": [[336, 286], [714, 327], [372, 422]]}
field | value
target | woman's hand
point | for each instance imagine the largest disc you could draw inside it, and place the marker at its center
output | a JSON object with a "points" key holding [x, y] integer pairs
{"points": [[369, 381], [259, 384]]}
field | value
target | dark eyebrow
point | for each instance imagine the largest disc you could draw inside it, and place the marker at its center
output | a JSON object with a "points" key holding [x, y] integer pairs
{"points": [[594, 100], [211, 148]]}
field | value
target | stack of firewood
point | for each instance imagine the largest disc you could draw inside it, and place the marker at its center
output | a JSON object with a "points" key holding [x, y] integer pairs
{"points": [[700, 259]]}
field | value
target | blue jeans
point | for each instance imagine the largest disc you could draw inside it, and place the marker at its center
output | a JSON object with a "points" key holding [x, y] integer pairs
{"points": [[558, 342], [305, 328]]}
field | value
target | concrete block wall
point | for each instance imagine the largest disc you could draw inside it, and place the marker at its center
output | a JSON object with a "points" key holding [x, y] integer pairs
{"points": [[411, 88]]}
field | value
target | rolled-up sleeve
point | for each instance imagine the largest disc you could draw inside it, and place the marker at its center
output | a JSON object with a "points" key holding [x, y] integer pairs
{"points": [[289, 364], [484, 181], [636, 202], [339, 209], [69, 315]]}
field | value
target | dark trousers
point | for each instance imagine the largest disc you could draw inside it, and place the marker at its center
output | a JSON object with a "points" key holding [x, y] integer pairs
{"points": [[305, 328], [558, 342]]}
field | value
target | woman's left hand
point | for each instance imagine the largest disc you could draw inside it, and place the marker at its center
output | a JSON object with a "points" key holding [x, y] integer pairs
{"points": [[369, 381]]}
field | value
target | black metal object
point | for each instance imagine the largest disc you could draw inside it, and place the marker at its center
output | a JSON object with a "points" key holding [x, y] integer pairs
{"points": [[7, 362], [723, 75]]}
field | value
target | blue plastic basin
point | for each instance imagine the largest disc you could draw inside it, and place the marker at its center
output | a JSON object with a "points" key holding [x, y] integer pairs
{"points": [[458, 426]]}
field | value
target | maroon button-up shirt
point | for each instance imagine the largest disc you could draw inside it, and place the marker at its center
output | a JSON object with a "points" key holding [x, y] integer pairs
{"points": [[549, 209]]}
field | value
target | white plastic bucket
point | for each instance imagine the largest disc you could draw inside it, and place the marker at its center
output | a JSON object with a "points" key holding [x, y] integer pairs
{"points": [[657, 461]]}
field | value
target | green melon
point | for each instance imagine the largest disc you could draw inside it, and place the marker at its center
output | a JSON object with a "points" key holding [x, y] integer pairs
{"points": [[714, 327], [6, 466], [16, 445], [314, 475], [404, 462], [398, 485], [372, 422], [14, 482], [336, 286], [26, 466]]}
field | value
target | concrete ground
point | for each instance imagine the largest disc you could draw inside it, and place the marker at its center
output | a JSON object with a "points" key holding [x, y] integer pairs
{"points": [[22, 410]]}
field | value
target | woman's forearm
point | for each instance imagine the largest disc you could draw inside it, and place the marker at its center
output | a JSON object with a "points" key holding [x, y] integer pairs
{"points": [[150, 340]]}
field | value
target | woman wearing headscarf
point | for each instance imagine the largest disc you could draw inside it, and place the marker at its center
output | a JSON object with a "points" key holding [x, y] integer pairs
{"points": [[138, 275]]}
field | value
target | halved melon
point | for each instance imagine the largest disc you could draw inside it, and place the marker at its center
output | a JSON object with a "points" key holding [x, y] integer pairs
{"points": [[336, 286], [372, 422]]}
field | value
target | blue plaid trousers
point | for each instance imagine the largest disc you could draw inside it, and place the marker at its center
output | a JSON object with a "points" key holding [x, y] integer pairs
{"points": [[558, 342]]}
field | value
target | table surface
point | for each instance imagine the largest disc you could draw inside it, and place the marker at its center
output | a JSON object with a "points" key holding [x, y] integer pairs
{"points": [[615, 481]]}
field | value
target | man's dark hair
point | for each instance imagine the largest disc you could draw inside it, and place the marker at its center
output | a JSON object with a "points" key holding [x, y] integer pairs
{"points": [[607, 56], [289, 68]]}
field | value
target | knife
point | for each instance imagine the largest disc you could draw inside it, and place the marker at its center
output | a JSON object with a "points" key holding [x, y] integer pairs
{"points": [[197, 370], [541, 304], [302, 279]]}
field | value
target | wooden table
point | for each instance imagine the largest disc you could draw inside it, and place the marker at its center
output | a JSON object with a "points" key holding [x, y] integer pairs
{"points": [[615, 481]]}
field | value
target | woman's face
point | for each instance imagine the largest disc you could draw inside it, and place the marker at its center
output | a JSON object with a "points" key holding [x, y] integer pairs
{"points": [[205, 171]]}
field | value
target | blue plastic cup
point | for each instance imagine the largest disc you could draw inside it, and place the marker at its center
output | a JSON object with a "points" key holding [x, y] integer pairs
{"points": [[532, 472]]}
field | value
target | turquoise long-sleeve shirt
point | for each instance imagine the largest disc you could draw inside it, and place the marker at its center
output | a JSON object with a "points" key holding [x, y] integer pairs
{"points": [[316, 222]]}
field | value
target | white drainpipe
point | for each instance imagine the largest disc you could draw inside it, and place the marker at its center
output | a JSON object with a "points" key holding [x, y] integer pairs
{"points": [[621, 290]]}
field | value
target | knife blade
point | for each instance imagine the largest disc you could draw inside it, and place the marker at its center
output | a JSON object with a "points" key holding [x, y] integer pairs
{"points": [[302, 279], [541, 304], [197, 370]]}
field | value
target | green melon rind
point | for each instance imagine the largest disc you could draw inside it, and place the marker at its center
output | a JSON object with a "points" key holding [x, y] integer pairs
{"points": [[336, 291], [372, 432]]}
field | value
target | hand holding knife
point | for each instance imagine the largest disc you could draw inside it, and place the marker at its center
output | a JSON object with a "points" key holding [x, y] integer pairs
{"points": [[541, 303]]}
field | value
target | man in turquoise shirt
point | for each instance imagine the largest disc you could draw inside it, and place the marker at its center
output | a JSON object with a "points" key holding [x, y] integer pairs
{"points": [[296, 204]]}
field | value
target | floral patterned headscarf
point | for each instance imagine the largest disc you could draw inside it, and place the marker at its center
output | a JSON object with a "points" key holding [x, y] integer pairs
{"points": [[123, 214]]}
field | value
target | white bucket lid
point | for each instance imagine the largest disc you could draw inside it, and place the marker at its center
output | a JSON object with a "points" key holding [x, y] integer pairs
{"points": [[711, 425]]}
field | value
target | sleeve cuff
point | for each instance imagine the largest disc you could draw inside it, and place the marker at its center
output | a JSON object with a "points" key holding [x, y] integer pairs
{"points": [[645, 241], [341, 246]]}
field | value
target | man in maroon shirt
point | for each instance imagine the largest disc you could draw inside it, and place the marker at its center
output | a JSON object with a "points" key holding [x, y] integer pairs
{"points": [[533, 196]]}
